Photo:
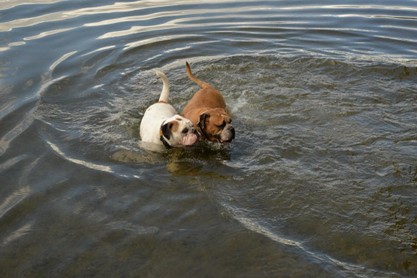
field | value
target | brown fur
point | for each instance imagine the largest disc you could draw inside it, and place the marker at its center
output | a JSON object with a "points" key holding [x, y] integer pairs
{"points": [[210, 102]]}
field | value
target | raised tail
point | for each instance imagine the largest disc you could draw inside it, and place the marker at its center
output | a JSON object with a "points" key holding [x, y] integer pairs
{"points": [[192, 77], [165, 87]]}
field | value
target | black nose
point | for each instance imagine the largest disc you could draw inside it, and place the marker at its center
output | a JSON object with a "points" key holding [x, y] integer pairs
{"points": [[232, 130]]}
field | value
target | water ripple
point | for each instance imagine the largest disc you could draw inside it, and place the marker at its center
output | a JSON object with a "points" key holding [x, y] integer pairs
{"points": [[342, 267], [323, 165], [14, 199]]}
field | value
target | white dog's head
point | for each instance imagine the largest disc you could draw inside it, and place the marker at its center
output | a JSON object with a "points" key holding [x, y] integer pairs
{"points": [[178, 131]]}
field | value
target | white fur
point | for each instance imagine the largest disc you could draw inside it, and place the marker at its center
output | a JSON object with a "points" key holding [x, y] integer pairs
{"points": [[162, 113], [165, 86]]}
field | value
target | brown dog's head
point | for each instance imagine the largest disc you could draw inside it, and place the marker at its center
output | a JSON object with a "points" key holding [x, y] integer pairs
{"points": [[216, 126]]}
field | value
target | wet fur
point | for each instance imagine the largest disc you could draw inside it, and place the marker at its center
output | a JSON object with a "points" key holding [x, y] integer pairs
{"points": [[207, 110]]}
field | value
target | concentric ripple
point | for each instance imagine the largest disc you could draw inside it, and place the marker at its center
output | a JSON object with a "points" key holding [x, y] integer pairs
{"points": [[320, 180]]}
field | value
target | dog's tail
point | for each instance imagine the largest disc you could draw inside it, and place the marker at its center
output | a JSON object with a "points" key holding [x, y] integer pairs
{"points": [[165, 87], [192, 77]]}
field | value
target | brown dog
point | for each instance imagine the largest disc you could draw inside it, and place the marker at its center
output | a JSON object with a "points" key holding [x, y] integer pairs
{"points": [[207, 110]]}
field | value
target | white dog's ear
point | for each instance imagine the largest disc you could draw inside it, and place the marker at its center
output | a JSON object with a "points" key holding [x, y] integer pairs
{"points": [[166, 130]]}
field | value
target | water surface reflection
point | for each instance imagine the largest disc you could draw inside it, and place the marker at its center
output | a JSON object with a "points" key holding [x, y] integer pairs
{"points": [[320, 180]]}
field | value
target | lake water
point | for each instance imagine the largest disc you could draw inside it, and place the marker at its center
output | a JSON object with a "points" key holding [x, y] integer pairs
{"points": [[321, 180]]}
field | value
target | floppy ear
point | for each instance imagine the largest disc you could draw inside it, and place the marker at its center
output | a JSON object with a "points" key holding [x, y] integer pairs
{"points": [[202, 122], [166, 130]]}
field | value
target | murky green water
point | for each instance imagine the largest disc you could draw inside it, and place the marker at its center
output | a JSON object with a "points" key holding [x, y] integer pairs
{"points": [[320, 181]]}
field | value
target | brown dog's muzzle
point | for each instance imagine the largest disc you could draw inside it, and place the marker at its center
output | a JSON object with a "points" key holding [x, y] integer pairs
{"points": [[227, 134]]}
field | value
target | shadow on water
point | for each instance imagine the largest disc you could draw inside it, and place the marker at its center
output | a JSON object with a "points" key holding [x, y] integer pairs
{"points": [[202, 159]]}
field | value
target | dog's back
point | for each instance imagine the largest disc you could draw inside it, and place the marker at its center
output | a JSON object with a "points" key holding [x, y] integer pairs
{"points": [[152, 119], [206, 97], [157, 113]]}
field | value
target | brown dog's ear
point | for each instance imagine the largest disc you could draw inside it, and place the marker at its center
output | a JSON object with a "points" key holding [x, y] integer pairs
{"points": [[202, 125], [166, 130]]}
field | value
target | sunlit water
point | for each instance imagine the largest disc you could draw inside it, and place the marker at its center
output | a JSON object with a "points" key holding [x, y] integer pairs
{"points": [[320, 181]]}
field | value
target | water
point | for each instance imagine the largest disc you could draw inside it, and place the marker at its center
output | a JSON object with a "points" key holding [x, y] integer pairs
{"points": [[320, 181]]}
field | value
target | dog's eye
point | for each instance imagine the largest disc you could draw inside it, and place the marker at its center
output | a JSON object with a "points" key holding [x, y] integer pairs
{"points": [[185, 130], [222, 125]]}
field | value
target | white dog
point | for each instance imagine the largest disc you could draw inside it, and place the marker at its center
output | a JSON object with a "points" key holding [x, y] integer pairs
{"points": [[162, 125]]}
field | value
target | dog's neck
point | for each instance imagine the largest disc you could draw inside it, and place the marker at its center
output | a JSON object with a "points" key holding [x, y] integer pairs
{"points": [[165, 142], [201, 131]]}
